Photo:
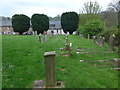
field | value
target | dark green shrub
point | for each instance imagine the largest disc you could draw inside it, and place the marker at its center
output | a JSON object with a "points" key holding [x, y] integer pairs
{"points": [[40, 22], [69, 22], [92, 27], [20, 23]]}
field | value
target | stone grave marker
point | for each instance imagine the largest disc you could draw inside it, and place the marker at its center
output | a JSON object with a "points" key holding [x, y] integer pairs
{"points": [[35, 32], [111, 42], [45, 37], [116, 61], [70, 49], [66, 44], [81, 36], [40, 37], [102, 41], [49, 73], [93, 38]]}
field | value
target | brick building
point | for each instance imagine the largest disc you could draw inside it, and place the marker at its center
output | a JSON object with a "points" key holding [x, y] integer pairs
{"points": [[6, 25]]}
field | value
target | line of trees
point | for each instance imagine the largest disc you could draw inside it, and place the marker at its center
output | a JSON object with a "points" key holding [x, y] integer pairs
{"points": [[21, 23], [40, 22]]}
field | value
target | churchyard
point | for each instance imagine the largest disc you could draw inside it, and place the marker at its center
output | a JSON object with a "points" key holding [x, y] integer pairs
{"points": [[85, 65]]}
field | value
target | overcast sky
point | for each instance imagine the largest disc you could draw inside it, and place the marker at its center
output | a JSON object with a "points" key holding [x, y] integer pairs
{"points": [[49, 7]]}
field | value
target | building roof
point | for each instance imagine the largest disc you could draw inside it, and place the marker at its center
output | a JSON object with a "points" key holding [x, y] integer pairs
{"points": [[54, 24], [5, 21]]}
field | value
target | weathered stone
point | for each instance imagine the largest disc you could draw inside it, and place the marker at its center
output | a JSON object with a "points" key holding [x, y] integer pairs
{"points": [[39, 84], [93, 38], [45, 37], [112, 42], [102, 40], [70, 49], [40, 37], [116, 69], [81, 36], [35, 32], [50, 68], [116, 61], [66, 46]]}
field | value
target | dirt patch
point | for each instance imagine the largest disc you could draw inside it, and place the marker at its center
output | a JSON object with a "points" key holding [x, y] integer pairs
{"points": [[62, 69], [94, 52], [65, 55]]}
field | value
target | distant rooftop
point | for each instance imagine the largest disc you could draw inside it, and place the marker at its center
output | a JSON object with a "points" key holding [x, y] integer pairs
{"points": [[55, 24], [5, 21]]}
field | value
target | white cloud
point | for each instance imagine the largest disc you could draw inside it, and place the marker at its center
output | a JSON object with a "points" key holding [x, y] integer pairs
{"points": [[48, 7]]}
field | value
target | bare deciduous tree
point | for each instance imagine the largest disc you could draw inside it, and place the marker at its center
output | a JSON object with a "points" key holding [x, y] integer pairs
{"points": [[92, 9]]}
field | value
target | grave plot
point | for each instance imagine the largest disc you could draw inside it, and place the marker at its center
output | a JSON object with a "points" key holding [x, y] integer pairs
{"points": [[68, 48], [23, 58], [90, 51], [50, 81]]}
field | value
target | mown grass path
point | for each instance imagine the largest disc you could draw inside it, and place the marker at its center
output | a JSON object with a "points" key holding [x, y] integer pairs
{"points": [[23, 62]]}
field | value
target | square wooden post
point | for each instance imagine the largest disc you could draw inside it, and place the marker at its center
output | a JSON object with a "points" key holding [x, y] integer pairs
{"points": [[50, 68], [88, 36]]}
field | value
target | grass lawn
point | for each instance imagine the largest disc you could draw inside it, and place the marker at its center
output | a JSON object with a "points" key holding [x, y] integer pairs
{"points": [[23, 62]]}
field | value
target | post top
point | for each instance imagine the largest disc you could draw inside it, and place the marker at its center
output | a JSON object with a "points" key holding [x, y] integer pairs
{"points": [[51, 53]]}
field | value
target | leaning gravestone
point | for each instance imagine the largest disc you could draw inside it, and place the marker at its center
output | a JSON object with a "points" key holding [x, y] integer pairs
{"points": [[111, 42], [93, 38]]}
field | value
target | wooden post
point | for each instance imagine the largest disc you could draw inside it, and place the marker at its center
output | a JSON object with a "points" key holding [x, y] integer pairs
{"points": [[88, 36], [50, 68]]}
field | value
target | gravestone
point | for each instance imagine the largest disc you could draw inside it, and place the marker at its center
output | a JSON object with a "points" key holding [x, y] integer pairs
{"points": [[97, 41], [50, 68], [35, 32], [116, 61], [112, 42], [40, 37], [102, 41], [93, 38], [81, 36], [66, 44], [70, 49], [45, 37]]}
